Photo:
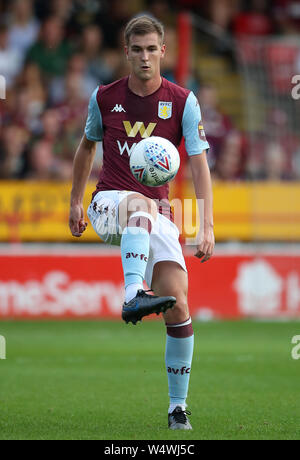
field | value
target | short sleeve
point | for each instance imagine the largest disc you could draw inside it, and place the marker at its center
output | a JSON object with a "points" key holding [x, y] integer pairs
{"points": [[93, 127], [192, 127]]}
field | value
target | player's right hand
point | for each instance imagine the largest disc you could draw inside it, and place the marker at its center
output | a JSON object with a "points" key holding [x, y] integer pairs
{"points": [[77, 223], [205, 244]]}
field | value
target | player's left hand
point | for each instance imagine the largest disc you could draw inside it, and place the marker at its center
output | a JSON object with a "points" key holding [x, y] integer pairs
{"points": [[77, 223], [205, 243]]}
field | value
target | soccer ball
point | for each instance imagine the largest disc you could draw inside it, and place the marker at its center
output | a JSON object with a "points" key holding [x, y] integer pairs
{"points": [[154, 161]]}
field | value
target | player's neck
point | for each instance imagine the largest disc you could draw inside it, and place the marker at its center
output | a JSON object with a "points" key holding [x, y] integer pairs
{"points": [[144, 87]]}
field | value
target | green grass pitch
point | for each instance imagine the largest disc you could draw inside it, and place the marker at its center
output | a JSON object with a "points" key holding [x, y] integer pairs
{"points": [[106, 380]]}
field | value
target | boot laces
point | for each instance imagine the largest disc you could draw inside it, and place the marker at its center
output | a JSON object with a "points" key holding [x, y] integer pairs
{"points": [[180, 416]]}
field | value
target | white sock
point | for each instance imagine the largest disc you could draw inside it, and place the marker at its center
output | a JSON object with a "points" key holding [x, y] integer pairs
{"points": [[131, 291], [174, 405]]}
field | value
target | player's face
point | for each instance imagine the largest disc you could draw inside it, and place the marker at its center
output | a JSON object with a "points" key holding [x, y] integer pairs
{"points": [[144, 53]]}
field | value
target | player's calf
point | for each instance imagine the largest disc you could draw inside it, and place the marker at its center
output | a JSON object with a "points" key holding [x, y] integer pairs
{"points": [[179, 354], [135, 243]]}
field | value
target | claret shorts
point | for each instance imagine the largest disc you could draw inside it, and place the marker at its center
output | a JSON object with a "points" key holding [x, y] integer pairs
{"points": [[164, 238]]}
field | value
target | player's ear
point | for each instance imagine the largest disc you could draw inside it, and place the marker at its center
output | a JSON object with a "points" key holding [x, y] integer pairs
{"points": [[126, 51], [163, 50]]}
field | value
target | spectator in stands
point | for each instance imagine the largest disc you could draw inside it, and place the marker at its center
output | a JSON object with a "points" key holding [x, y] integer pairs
{"points": [[21, 114], [62, 9], [275, 163], [51, 127], [221, 12], [169, 63], [24, 27], [281, 124], [11, 59], [53, 137], [118, 14], [230, 164], [77, 65], [31, 83], [7, 109], [251, 23], [51, 53], [287, 16], [71, 113], [217, 125], [296, 164], [84, 13], [98, 66], [42, 164], [13, 152], [255, 20], [28, 106], [161, 10]]}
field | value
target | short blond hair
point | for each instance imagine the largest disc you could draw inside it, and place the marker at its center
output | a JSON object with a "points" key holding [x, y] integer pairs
{"points": [[143, 25]]}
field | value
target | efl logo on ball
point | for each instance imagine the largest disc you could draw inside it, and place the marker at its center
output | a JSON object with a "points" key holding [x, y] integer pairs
{"points": [[154, 161]]}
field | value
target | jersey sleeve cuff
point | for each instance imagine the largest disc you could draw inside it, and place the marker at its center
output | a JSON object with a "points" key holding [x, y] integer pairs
{"points": [[205, 146], [92, 138]]}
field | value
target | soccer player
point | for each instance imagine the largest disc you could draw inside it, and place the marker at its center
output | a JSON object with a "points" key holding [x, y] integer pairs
{"points": [[137, 217]]}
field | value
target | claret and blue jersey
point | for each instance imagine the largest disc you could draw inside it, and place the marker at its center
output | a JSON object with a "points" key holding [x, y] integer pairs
{"points": [[120, 119]]}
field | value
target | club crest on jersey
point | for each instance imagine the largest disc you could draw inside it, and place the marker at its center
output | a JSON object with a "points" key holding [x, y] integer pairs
{"points": [[164, 110]]}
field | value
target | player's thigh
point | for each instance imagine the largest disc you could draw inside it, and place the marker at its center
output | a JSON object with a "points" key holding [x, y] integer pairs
{"points": [[169, 278], [134, 202]]}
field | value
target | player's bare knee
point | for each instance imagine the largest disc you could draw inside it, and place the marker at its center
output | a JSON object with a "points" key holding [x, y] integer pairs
{"points": [[181, 307], [136, 203], [179, 313], [142, 204]]}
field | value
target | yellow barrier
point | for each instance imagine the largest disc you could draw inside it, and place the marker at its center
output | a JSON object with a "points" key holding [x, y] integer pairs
{"points": [[35, 211], [258, 211]]}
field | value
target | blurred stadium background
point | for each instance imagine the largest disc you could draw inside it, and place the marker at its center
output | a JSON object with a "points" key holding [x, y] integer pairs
{"points": [[240, 58]]}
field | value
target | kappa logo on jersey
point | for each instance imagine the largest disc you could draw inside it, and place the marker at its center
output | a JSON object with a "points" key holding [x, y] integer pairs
{"points": [[164, 110], [138, 126], [118, 108]]}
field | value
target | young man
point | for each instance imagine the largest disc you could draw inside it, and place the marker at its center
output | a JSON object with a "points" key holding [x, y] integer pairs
{"points": [[125, 212]]}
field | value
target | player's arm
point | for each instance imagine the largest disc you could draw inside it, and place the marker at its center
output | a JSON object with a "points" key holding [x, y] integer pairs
{"points": [[196, 146], [203, 190], [82, 166]]}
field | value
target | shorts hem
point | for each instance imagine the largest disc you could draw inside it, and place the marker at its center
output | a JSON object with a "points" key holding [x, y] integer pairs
{"points": [[170, 260], [154, 262]]}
